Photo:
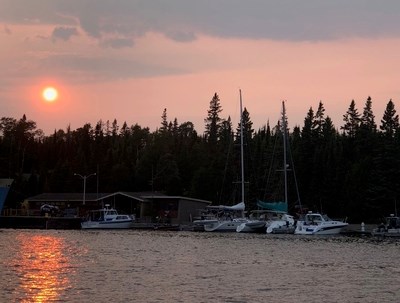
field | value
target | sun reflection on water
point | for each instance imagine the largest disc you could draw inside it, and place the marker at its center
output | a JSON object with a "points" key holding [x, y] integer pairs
{"points": [[43, 268]]}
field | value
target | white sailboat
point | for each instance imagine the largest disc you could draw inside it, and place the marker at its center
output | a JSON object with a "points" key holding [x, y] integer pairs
{"points": [[228, 218], [269, 221], [273, 217]]}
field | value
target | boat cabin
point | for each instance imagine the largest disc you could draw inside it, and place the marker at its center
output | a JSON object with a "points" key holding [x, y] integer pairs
{"points": [[315, 218], [392, 222]]}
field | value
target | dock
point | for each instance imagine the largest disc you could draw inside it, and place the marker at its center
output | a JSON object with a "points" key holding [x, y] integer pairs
{"points": [[358, 230], [39, 222]]}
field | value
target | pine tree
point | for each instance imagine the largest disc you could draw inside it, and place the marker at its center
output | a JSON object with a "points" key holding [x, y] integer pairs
{"points": [[329, 129], [226, 136], [319, 120], [368, 118], [309, 122], [164, 122], [115, 128], [351, 120], [247, 127], [213, 120], [390, 121]]}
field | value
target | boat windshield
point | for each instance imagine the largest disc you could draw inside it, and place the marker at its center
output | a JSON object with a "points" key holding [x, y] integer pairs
{"points": [[393, 222], [314, 218], [326, 218], [111, 213]]}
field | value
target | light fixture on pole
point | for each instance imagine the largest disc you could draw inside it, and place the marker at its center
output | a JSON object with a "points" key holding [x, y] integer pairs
{"points": [[84, 184]]}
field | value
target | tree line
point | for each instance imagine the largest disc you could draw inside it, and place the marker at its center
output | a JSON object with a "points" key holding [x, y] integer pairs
{"points": [[353, 171]]}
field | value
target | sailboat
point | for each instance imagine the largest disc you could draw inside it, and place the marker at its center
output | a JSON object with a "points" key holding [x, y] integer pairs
{"points": [[227, 218], [273, 217]]}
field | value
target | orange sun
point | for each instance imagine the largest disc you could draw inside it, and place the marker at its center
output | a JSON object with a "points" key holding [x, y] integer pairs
{"points": [[50, 94]]}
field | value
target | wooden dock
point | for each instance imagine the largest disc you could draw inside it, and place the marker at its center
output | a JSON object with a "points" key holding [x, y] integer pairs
{"points": [[39, 222]]}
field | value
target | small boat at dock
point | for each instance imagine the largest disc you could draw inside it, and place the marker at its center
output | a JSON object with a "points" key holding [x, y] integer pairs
{"points": [[317, 224], [222, 218], [389, 228], [107, 218]]}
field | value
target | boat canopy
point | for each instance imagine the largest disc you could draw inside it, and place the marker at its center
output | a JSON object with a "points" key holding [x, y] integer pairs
{"points": [[278, 206], [239, 206]]}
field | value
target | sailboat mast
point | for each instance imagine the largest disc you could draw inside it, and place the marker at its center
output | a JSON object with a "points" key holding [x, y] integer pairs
{"points": [[241, 144], [284, 127]]}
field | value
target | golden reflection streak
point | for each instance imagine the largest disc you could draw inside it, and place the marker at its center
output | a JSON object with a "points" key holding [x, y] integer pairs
{"points": [[42, 267]]}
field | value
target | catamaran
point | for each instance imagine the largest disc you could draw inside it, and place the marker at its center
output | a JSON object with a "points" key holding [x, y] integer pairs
{"points": [[272, 217]]}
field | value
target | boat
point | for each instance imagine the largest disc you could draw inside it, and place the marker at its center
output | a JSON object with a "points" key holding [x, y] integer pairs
{"points": [[222, 218], [107, 218], [285, 224], [390, 227], [255, 223], [267, 221], [273, 217], [314, 223], [225, 218], [5, 185]]}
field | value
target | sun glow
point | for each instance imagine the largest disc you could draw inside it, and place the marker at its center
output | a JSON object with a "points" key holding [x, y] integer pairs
{"points": [[50, 94], [43, 267]]}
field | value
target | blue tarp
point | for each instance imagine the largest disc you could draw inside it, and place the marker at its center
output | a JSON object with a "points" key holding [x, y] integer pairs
{"points": [[4, 188]]}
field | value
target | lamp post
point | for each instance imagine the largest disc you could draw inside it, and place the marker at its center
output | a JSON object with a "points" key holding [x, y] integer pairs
{"points": [[84, 184]]}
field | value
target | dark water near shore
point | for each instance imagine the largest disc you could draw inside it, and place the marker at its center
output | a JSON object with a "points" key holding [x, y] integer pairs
{"points": [[161, 266]]}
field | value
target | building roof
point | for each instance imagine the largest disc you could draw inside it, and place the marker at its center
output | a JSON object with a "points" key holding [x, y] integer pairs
{"points": [[139, 196], [66, 197]]}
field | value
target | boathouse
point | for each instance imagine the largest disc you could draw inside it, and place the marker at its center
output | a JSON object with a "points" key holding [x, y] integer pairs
{"points": [[147, 207]]}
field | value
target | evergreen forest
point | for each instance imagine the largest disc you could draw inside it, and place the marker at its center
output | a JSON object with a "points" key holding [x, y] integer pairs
{"points": [[348, 172]]}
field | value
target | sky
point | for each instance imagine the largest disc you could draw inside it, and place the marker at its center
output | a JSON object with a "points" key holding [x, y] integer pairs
{"points": [[129, 59]]}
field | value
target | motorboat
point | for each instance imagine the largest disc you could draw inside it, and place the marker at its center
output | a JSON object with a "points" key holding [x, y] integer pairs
{"points": [[107, 218], [390, 227], [48, 209], [318, 224]]}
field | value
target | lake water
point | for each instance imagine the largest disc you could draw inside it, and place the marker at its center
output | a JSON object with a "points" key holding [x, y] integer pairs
{"points": [[166, 266]]}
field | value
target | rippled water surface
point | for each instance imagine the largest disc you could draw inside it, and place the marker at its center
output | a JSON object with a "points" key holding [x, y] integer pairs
{"points": [[161, 266]]}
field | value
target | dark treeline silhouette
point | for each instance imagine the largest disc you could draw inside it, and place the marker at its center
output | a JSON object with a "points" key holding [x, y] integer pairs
{"points": [[349, 172]]}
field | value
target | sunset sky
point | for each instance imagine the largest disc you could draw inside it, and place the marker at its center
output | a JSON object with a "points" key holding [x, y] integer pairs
{"points": [[130, 59]]}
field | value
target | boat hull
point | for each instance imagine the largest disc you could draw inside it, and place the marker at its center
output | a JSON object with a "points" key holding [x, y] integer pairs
{"points": [[280, 227], [251, 227], [390, 233], [107, 225], [328, 229], [223, 226]]}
